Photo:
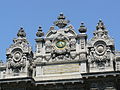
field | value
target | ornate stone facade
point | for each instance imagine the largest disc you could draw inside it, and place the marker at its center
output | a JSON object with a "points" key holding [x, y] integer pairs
{"points": [[63, 60]]}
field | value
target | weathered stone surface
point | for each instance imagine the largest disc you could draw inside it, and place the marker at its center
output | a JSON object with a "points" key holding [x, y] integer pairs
{"points": [[61, 69], [63, 60]]}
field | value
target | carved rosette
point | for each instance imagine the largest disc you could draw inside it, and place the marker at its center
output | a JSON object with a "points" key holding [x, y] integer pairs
{"points": [[17, 58], [99, 51]]}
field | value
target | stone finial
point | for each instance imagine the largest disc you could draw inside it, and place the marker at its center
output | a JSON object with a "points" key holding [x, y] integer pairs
{"points": [[100, 25], [61, 22], [40, 33], [21, 33], [82, 28]]}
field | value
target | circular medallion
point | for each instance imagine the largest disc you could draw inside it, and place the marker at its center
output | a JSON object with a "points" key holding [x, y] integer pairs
{"points": [[17, 56], [100, 49], [60, 44]]}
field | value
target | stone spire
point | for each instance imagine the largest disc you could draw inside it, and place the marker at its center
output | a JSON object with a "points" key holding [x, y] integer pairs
{"points": [[40, 33], [61, 22], [100, 25], [100, 30], [21, 33], [82, 28], [21, 36]]}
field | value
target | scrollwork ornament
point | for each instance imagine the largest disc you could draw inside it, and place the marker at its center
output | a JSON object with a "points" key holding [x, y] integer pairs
{"points": [[73, 45], [18, 64], [101, 60]]}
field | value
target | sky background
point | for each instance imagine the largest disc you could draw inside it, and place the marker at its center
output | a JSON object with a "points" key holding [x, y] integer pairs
{"points": [[30, 14]]}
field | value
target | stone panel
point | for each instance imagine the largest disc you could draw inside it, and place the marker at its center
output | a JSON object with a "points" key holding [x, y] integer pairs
{"points": [[60, 69]]}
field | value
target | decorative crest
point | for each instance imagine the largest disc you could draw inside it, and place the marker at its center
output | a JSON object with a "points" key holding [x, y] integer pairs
{"points": [[61, 22], [21, 33], [82, 28], [100, 25], [40, 33]]}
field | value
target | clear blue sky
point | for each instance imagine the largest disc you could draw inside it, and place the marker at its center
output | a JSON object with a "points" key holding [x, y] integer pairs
{"points": [[32, 13]]}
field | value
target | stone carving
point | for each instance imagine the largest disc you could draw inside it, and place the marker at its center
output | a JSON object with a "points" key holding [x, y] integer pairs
{"points": [[64, 45], [82, 40], [17, 59], [40, 33], [73, 55], [61, 23], [101, 47], [21, 33], [82, 44], [19, 53], [62, 60], [82, 28], [60, 47], [48, 46], [73, 44], [39, 45]]}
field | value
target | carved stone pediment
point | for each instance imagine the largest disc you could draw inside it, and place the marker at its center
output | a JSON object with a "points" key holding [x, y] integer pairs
{"points": [[58, 43], [100, 48], [60, 48], [19, 55]]}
